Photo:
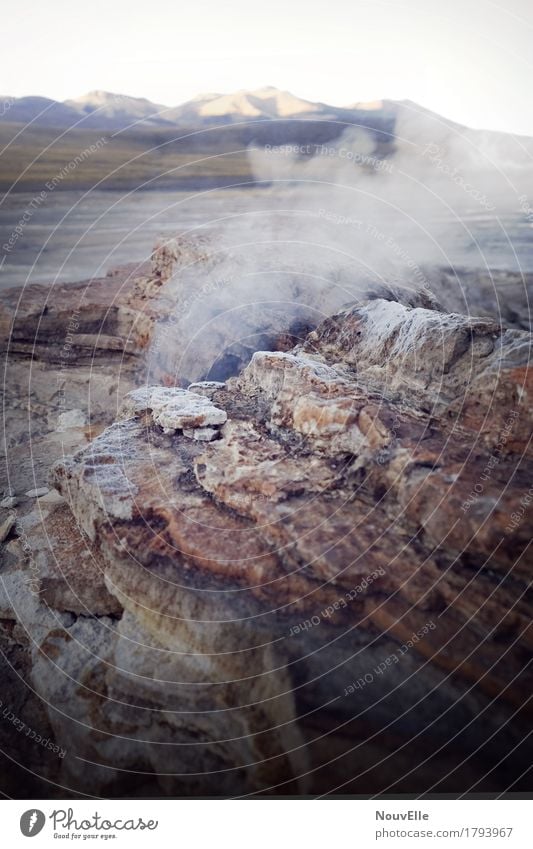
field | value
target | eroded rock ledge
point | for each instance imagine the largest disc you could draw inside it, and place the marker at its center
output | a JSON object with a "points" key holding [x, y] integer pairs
{"points": [[338, 571]]}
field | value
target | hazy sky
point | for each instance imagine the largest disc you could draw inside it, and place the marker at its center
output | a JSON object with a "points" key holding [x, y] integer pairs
{"points": [[471, 60]]}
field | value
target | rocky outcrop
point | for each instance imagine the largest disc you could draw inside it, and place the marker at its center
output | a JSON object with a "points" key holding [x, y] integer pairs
{"points": [[78, 322], [178, 252], [342, 557], [302, 572]]}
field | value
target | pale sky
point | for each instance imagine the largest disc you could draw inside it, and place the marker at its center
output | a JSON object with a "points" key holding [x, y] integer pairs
{"points": [[470, 60]]}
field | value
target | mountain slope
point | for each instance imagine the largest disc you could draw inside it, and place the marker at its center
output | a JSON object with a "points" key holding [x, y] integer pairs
{"points": [[41, 111], [104, 107]]}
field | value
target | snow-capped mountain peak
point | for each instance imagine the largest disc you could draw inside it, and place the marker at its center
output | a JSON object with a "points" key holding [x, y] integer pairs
{"points": [[266, 102]]}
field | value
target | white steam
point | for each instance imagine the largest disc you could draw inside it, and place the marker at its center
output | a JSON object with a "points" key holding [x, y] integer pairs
{"points": [[343, 221]]}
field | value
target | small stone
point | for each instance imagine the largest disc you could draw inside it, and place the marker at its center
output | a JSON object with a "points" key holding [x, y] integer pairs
{"points": [[173, 409], [201, 434], [9, 502], [52, 498], [5, 528], [178, 409], [37, 493]]}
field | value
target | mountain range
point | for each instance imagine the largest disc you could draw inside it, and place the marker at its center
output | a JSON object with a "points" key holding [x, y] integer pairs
{"points": [[105, 110]]}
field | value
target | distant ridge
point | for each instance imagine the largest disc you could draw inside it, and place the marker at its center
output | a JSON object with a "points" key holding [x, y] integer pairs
{"points": [[107, 110]]}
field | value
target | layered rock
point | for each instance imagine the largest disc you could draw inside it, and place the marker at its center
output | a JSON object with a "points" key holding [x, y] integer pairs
{"points": [[338, 571], [301, 579]]}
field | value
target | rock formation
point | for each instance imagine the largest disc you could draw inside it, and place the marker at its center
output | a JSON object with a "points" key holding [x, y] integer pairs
{"points": [[311, 577]]}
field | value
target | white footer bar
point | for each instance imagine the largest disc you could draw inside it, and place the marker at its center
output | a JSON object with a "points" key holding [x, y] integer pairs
{"points": [[268, 824]]}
